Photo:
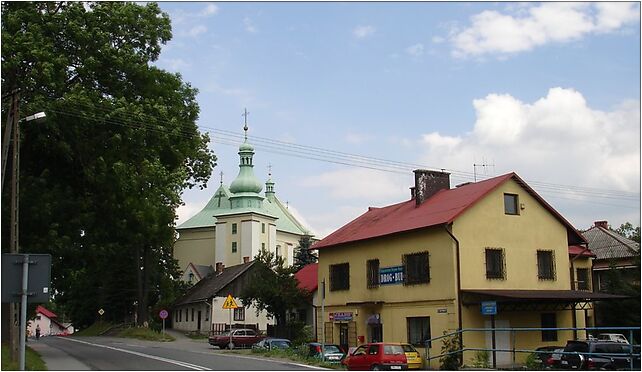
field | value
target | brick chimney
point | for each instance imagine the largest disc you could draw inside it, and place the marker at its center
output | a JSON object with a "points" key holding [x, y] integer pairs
{"points": [[428, 183], [219, 268], [246, 259], [602, 224], [412, 192]]}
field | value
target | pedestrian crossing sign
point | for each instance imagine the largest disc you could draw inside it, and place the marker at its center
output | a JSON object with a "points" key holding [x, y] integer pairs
{"points": [[230, 303]]}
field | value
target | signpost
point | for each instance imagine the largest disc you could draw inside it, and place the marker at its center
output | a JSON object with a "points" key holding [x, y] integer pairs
{"points": [[163, 315], [490, 308], [230, 304], [34, 289]]}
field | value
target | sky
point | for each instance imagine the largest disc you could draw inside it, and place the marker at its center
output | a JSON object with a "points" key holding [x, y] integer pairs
{"points": [[346, 99]]}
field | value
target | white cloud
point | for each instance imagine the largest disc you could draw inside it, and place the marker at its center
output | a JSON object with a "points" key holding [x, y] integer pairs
{"points": [[185, 212], [357, 138], [210, 9], [356, 183], [438, 39], [361, 32], [503, 34], [174, 64], [249, 25], [558, 139], [415, 50], [196, 30]]}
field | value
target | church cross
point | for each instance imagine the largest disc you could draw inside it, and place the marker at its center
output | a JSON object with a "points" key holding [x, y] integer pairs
{"points": [[245, 128]]}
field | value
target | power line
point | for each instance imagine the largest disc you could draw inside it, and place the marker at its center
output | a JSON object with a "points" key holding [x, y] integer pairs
{"points": [[226, 137]]}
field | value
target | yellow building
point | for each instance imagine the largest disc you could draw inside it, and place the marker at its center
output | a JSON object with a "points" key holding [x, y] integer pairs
{"points": [[237, 223], [411, 271]]}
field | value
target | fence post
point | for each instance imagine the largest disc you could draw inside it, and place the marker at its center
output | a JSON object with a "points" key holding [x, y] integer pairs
{"points": [[513, 337], [631, 348]]}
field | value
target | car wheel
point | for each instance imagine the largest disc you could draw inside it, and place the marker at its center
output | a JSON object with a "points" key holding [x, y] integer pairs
{"points": [[376, 368], [230, 345]]}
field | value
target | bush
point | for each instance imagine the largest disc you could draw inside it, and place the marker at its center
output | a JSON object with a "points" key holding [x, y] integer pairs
{"points": [[450, 345], [482, 359], [533, 362]]}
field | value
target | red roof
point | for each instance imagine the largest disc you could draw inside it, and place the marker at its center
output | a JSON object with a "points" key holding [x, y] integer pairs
{"points": [[42, 310], [442, 208], [575, 250], [307, 277]]}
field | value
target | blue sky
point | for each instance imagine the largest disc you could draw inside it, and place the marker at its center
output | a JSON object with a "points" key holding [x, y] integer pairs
{"points": [[548, 90]]}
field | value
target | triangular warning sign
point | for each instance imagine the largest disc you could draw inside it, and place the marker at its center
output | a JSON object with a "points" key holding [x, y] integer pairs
{"points": [[229, 303]]}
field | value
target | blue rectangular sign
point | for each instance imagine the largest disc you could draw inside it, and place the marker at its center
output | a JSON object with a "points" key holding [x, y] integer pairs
{"points": [[391, 275], [489, 307]]}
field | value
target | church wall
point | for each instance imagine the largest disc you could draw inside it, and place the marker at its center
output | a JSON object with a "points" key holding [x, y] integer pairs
{"points": [[196, 246], [287, 242], [222, 242]]}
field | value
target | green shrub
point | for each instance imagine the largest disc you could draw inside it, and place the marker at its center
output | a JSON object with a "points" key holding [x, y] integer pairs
{"points": [[482, 359], [450, 345]]}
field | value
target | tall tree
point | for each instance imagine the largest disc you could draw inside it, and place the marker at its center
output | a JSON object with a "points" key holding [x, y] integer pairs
{"points": [[303, 255], [629, 231], [273, 288], [101, 179]]}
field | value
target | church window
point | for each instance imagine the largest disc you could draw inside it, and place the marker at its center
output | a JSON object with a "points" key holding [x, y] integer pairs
{"points": [[234, 228], [278, 250], [262, 245], [263, 228], [233, 247]]}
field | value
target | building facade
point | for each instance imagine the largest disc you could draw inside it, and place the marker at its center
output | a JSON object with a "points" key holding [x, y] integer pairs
{"points": [[411, 271]]}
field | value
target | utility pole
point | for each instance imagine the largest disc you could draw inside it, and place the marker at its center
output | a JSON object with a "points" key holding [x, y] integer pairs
{"points": [[12, 130]]}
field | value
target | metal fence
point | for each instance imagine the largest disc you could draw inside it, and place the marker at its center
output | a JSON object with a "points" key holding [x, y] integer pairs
{"points": [[626, 331]]}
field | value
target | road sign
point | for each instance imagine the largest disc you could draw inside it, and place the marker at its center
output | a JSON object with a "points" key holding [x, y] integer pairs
{"points": [[489, 307], [163, 314], [39, 277], [101, 312], [229, 303]]}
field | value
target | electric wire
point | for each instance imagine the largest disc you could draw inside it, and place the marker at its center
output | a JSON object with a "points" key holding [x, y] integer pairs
{"points": [[320, 154]]}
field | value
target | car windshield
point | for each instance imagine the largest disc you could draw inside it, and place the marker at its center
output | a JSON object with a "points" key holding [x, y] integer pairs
{"points": [[408, 349], [332, 349], [392, 349]]}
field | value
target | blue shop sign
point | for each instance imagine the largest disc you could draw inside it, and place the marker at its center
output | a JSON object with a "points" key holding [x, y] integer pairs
{"points": [[489, 308], [391, 275]]}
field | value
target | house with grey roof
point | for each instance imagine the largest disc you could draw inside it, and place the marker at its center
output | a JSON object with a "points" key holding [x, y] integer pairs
{"points": [[611, 250], [200, 309], [238, 221]]}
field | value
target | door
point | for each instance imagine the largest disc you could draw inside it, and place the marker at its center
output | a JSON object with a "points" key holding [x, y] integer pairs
{"points": [[198, 325], [343, 336], [502, 341], [375, 332]]}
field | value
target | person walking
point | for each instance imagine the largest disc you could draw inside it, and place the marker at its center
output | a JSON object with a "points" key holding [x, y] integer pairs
{"points": [[37, 332]]}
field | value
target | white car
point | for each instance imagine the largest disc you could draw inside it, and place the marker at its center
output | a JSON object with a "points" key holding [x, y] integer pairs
{"points": [[616, 337]]}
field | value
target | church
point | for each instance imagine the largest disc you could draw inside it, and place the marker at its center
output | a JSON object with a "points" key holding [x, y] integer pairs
{"points": [[236, 223]]}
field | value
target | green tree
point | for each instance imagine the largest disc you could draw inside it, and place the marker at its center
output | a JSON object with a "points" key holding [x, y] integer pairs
{"points": [[101, 179], [273, 287], [303, 255], [628, 231]]}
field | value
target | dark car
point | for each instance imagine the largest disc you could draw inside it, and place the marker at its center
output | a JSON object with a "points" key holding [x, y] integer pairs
{"points": [[596, 354], [333, 353], [377, 356], [272, 343], [543, 355]]}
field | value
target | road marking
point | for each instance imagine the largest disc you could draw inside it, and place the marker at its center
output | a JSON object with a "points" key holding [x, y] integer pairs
{"points": [[269, 360], [176, 362]]}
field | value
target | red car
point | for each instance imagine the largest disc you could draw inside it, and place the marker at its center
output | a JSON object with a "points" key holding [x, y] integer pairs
{"points": [[377, 356], [238, 338]]}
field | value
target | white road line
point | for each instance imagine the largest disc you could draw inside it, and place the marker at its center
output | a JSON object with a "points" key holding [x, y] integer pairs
{"points": [[269, 360], [176, 362]]}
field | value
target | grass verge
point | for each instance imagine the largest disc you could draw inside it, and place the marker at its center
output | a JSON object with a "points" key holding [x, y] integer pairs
{"points": [[33, 361], [296, 355], [196, 336], [147, 334], [95, 329]]}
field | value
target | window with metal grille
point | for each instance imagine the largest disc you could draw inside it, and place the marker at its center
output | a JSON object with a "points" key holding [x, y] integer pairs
{"points": [[373, 273], [233, 247], [583, 279], [263, 228], [416, 268], [495, 263], [239, 313], [340, 277], [418, 330], [545, 265], [511, 204], [549, 320]]}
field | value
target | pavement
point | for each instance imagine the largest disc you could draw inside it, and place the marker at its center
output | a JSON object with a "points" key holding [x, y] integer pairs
{"points": [[55, 359]]}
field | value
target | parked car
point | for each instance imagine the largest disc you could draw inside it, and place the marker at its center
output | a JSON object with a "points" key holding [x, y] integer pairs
{"points": [[616, 337], [333, 353], [272, 343], [596, 354], [412, 356], [238, 338], [377, 356], [554, 361]]}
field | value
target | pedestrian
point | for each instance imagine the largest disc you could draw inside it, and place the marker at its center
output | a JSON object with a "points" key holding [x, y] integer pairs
{"points": [[37, 332]]}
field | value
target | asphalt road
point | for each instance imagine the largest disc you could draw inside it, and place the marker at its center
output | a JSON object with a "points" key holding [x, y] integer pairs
{"points": [[110, 353]]}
